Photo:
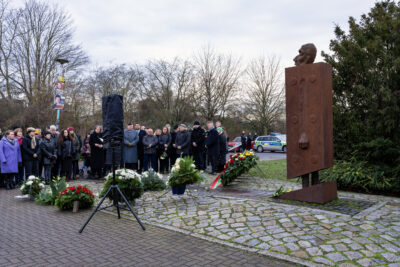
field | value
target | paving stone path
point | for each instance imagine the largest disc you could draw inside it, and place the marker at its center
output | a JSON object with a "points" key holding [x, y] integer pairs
{"points": [[301, 234], [34, 235]]}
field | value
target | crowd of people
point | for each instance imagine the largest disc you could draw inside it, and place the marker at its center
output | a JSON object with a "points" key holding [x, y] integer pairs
{"points": [[53, 153]]}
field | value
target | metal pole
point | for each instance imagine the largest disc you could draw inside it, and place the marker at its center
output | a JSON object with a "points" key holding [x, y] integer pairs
{"points": [[58, 119]]}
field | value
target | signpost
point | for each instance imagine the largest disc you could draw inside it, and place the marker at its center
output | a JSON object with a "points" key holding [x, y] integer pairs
{"points": [[59, 99]]}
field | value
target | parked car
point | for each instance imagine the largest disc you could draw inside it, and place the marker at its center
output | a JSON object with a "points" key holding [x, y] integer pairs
{"points": [[270, 143], [234, 145]]}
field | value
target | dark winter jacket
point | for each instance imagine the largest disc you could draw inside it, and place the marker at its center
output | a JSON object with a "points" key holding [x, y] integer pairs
{"points": [[28, 151], [164, 139], [223, 149], [198, 137], [150, 140], [66, 150], [243, 139], [48, 151], [212, 142], [182, 140]]}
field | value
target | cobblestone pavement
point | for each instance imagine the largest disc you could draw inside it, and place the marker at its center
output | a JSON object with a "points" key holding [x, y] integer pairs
{"points": [[301, 234], [34, 235]]}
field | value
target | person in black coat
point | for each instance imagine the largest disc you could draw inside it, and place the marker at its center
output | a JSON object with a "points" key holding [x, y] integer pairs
{"points": [[197, 138], [223, 149], [55, 171], [182, 142], [66, 152], [150, 143], [49, 152], [249, 140], [140, 147], [30, 153], [243, 139], [172, 149], [212, 144], [97, 152], [164, 142]]}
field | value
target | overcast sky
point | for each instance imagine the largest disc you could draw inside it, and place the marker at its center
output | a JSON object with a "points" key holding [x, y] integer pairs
{"points": [[130, 31]]}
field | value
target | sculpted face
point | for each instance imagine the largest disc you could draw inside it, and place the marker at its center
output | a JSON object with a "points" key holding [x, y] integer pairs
{"points": [[307, 54]]}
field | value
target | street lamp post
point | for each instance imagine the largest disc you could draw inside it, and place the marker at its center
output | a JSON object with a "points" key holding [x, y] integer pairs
{"points": [[62, 61]]}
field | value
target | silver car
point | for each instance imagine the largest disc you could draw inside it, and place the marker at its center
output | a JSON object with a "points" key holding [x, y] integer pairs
{"points": [[270, 143]]}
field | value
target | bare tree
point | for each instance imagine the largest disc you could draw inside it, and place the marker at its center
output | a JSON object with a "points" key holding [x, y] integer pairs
{"points": [[42, 34], [169, 85], [264, 101], [217, 83]]}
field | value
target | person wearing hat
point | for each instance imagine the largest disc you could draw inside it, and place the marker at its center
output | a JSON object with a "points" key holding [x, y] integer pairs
{"points": [[30, 153], [197, 138], [182, 141], [131, 140], [49, 155]]}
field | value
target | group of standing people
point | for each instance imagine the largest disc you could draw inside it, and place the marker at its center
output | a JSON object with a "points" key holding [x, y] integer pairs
{"points": [[45, 154], [55, 153], [247, 140], [143, 147]]}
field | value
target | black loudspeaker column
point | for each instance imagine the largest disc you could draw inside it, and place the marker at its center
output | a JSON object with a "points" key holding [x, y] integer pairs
{"points": [[113, 127], [113, 135]]}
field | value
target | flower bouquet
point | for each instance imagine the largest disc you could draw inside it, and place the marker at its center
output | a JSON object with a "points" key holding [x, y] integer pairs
{"points": [[280, 191], [32, 186], [48, 197], [152, 181], [128, 181], [183, 172], [237, 165], [65, 199]]}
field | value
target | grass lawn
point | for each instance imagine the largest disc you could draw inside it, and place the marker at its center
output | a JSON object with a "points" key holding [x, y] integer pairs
{"points": [[274, 169]]}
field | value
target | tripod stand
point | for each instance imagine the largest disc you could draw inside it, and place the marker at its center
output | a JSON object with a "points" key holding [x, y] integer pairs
{"points": [[114, 189]]}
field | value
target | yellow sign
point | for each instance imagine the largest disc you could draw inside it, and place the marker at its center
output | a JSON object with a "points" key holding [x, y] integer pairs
{"points": [[61, 79]]}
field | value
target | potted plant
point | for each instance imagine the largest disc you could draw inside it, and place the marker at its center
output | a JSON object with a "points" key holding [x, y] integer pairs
{"points": [[66, 198], [128, 181], [32, 186], [183, 173], [152, 181]]}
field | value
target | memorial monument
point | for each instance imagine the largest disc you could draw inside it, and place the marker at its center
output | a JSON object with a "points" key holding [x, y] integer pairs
{"points": [[309, 123]]}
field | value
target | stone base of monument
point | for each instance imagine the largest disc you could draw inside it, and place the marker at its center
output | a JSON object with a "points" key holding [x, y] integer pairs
{"points": [[320, 193]]}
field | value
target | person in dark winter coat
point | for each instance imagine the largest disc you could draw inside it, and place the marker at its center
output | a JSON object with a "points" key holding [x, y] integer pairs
{"points": [[243, 139], [172, 149], [223, 149], [140, 147], [182, 142], [131, 140], [66, 151], [97, 152], [249, 141], [30, 153], [49, 155], [10, 156], [164, 142], [150, 142], [77, 142], [197, 138], [212, 144], [55, 171]]}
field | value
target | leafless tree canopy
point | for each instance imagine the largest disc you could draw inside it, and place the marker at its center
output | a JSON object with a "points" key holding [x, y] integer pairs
{"points": [[264, 103], [209, 86]]}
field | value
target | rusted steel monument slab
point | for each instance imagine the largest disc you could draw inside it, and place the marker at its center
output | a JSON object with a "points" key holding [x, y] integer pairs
{"points": [[309, 123]]}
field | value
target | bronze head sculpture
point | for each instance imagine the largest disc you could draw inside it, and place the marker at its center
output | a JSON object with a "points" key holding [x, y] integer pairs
{"points": [[307, 54]]}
